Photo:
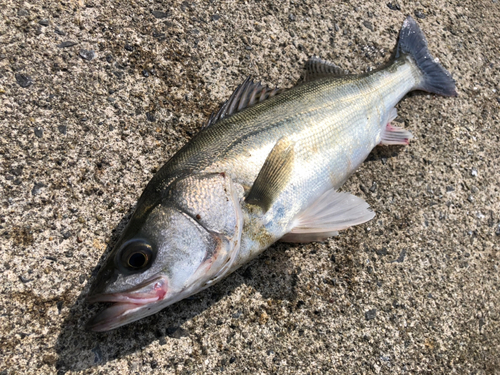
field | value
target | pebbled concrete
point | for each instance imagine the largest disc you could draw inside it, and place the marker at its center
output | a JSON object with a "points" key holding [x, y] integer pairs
{"points": [[96, 95]]}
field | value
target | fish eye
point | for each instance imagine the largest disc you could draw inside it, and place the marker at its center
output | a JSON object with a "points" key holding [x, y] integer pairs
{"points": [[138, 259], [136, 255]]}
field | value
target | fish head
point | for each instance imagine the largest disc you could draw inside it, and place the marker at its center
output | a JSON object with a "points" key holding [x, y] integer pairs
{"points": [[183, 244]]}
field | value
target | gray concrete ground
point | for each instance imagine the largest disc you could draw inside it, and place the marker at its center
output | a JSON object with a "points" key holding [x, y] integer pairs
{"points": [[96, 95]]}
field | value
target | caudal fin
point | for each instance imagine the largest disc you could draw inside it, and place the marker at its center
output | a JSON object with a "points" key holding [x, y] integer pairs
{"points": [[435, 78]]}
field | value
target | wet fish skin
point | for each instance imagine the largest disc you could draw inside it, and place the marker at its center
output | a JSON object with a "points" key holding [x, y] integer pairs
{"points": [[266, 173]]}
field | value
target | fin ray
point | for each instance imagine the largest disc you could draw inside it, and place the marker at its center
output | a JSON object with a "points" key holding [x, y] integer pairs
{"points": [[435, 78], [332, 212], [318, 68], [244, 96], [394, 135]]}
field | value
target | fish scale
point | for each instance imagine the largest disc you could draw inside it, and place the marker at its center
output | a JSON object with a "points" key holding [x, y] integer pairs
{"points": [[333, 137]]}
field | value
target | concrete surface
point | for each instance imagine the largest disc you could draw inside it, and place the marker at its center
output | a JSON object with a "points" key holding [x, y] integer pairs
{"points": [[84, 125]]}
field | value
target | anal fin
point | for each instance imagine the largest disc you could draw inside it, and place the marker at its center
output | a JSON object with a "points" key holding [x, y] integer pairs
{"points": [[332, 212], [394, 135]]}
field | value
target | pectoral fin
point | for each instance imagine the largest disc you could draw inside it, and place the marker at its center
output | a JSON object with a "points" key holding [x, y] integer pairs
{"points": [[332, 212], [274, 175]]}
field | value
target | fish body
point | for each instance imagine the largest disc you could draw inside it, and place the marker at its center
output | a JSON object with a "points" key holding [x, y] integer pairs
{"points": [[260, 172]]}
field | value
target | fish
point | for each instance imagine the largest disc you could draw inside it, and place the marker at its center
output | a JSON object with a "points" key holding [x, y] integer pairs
{"points": [[266, 167]]}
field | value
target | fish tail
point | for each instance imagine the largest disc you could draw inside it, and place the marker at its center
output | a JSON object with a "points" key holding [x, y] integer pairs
{"points": [[435, 78]]}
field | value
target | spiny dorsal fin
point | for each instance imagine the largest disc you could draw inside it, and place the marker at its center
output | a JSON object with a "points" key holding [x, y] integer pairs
{"points": [[319, 68], [246, 95], [274, 175]]}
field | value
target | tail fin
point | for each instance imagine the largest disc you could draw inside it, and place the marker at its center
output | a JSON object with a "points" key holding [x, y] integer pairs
{"points": [[435, 78]]}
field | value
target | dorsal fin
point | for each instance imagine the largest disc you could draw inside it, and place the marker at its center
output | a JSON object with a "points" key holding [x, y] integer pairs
{"points": [[246, 95], [319, 68]]}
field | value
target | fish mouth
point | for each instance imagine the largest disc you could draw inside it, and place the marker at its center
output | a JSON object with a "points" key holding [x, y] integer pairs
{"points": [[128, 306]]}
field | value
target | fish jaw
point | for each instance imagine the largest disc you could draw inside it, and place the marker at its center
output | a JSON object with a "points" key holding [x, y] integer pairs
{"points": [[129, 306]]}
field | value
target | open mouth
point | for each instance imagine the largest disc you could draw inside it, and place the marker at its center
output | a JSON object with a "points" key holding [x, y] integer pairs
{"points": [[127, 305]]}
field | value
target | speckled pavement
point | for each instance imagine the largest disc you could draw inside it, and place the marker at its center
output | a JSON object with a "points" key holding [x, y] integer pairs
{"points": [[96, 95]]}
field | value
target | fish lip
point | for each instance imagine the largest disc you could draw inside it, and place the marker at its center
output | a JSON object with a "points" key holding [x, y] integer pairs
{"points": [[144, 296], [135, 296]]}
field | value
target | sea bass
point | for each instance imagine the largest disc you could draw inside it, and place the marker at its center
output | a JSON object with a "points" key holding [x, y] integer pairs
{"points": [[266, 167]]}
